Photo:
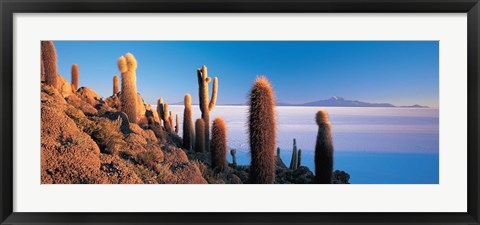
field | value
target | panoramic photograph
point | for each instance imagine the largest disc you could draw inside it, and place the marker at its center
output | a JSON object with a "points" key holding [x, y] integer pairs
{"points": [[239, 112]]}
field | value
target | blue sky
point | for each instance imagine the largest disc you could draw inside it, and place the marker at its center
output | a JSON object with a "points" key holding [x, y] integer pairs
{"points": [[397, 72]]}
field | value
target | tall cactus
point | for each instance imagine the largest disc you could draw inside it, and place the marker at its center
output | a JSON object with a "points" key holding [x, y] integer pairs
{"points": [[160, 107], [128, 65], [177, 123], [233, 152], [116, 87], [49, 62], [42, 71], [293, 162], [170, 117], [323, 149], [278, 152], [262, 132], [188, 130], [75, 77], [199, 136], [219, 144], [299, 158], [162, 110], [205, 105]]}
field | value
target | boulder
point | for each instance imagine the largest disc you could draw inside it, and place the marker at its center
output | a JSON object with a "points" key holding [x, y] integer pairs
{"points": [[125, 125], [63, 86], [78, 103], [114, 101], [88, 95]]}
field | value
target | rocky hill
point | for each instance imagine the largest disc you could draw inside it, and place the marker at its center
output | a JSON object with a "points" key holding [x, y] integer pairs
{"points": [[86, 140]]}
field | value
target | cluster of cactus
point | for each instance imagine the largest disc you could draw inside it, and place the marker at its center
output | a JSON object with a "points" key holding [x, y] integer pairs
{"points": [[294, 161], [116, 87], [323, 149], [127, 65], [262, 132], [219, 144], [204, 104], [75, 77], [49, 71], [188, 130], [165, 115]]}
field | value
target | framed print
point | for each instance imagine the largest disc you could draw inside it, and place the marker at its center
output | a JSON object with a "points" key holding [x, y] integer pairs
{"points": [[261, 112]]}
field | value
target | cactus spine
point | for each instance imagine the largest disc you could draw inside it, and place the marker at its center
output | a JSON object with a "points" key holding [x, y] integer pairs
{"points": [[162, 110], [299, 158], [323, 149], [293, 162], [199, 136], [75, 77], [205, 106], [233, 152], [262, 132], [49, 62], [188, 131], [219, 144], [127, 66], [116, 87]]}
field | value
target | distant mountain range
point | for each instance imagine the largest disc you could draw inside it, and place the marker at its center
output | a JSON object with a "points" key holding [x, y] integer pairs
{"points": [[342, 102], [336, 102]]}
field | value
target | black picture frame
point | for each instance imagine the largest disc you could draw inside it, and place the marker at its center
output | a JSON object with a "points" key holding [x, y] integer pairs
{"points": [[9, 7]]}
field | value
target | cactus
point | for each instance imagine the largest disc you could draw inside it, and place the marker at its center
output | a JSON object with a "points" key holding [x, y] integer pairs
{"points": [[192, 135], [205, 106], [188, 130], [75, 77], [233, 152], [278, 152], [162, 110], [160, 107], [293, 162], [219, 144], [116, 88], [199, 136], [323, 149], [170, 117], [49, 68], [42, 72], [299, 158], [262, 132], [128, 99], [177, 123], [49, 62], [150, 118]]}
